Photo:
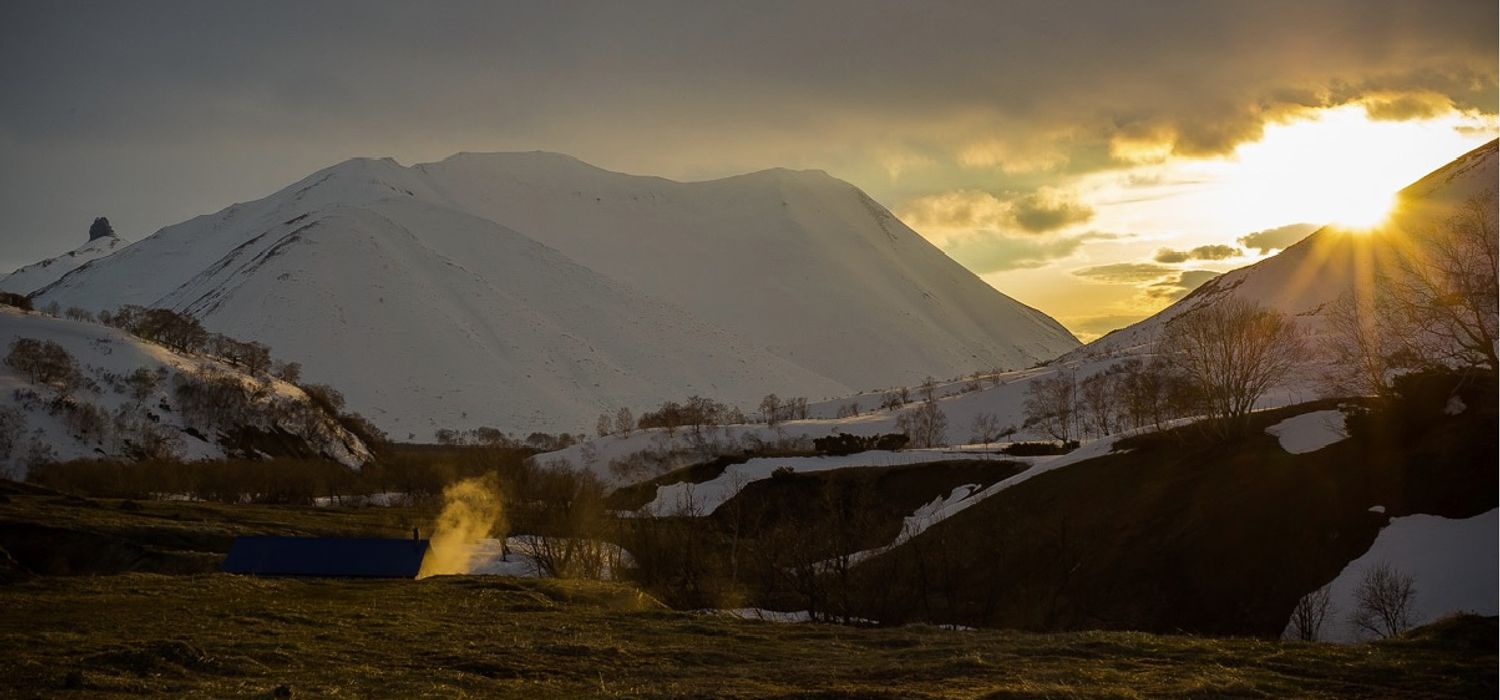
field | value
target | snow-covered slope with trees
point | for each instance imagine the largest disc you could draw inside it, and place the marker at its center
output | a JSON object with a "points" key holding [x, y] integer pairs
{"points": [[111, 394], [532, 291], [25, 280]]}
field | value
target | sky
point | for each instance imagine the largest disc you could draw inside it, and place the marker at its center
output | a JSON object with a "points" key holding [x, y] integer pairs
{"points": [[1093, 159]]}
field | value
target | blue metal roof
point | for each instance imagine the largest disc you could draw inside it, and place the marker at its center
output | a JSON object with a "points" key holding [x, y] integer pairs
{"points": [[326, 556]]}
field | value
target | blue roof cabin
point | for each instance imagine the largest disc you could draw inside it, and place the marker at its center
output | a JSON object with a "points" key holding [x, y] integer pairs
{"points": [[359, 557]]}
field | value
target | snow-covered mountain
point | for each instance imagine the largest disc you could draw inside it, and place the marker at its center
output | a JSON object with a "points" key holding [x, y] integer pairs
{"points": [[27, 279], [532, 291], [127, 398]]}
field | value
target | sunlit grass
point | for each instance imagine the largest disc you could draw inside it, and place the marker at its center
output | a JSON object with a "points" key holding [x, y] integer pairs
{"points": [[230, 636]]}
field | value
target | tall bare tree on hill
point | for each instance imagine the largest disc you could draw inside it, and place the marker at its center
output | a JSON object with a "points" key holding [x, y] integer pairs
{"points": [[1233, 351]]}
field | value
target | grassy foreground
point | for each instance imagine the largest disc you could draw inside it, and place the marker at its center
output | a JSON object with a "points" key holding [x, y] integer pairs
{"points": [[216, 635]]}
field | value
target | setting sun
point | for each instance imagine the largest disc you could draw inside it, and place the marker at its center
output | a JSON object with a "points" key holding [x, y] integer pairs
{"points": [[1335, 166], [1362, 212]]}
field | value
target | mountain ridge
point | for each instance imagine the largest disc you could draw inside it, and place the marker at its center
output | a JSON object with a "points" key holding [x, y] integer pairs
{"points": [[743, 286]]}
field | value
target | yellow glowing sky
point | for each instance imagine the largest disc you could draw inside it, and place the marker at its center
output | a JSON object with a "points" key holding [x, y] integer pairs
{"points": [[1326, 166]]}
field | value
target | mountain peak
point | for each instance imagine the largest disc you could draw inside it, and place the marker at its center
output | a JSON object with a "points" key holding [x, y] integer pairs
{"points": [[101, 229]]}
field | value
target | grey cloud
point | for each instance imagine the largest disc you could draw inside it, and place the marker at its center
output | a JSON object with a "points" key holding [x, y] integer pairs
{"points": [[1040, 212], [1276, 238], [150, 111], [1202, 252], [1124, 273]]}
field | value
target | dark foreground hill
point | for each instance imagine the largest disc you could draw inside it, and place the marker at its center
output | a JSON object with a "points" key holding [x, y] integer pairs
{"points": [[1179, 531]]}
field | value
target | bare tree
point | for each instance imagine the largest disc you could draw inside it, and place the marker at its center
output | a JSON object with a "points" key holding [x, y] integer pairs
{"points": [[1383, 602], [624, 421], [1233, 351], [288, 371], [1052, 405], [1097, 397], [770, 409], [45, 362], [1443, 292], [1152, 392], [1311, 614], [604, 425], [926, 425], [986, 428], [895, 398], [1359, 345], [143, 382]]}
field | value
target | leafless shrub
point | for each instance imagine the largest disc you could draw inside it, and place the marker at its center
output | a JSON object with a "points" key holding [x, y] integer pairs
{"points": [[1312, 612], [1052, 405], [1383, 602], [1443, 293], [986, 428], [45, 362], [624, 421], [926, 425]]}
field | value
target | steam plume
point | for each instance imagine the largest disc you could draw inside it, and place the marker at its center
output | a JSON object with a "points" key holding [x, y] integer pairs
{"points": [[471, 512]]}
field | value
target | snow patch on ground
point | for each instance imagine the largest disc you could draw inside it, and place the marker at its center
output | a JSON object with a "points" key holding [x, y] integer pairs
{"points": [[1309, 432], [761, 614], [1452, 563], [388, 499], [519, 556], [703, 498]]}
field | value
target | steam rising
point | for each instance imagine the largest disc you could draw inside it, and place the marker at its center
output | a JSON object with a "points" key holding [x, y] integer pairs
{"points": [[471, 512]]}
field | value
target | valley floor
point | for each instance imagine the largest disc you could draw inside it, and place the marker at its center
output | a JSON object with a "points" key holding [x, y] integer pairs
{"points": [[219, 635]]}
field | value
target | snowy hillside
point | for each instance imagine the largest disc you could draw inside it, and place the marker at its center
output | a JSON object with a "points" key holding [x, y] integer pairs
{"points": [[532, 291], [1299, 281], [30, 278], [1451, 562], [125, 397]]}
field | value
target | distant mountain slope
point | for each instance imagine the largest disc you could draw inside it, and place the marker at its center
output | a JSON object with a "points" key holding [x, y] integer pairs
{"points": [[27, 279], [466, 322], [532, 291], [803, 263], [103, 412]]}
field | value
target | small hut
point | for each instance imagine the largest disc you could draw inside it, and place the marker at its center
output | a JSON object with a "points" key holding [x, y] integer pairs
{"points": [[334, 557]]}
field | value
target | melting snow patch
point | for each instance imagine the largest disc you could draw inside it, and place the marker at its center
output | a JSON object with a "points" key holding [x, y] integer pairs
{"points": [[763, 614], [1309, 432], [1452, 564], [1377, 509], [522, 556], [702, 499], [1455, 406]]}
